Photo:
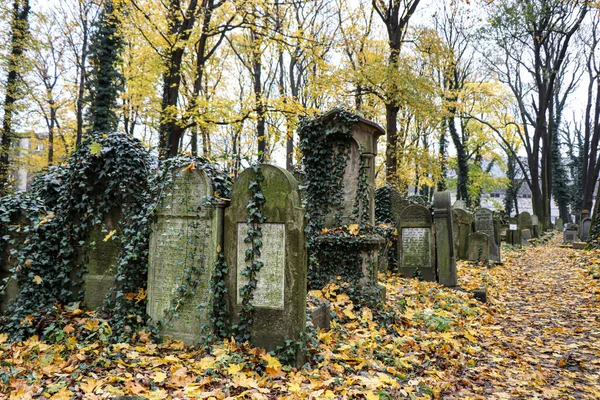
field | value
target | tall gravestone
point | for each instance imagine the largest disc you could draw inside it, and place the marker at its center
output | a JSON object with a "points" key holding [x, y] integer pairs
{"points": [[416, 247], [462, 225], [279, 297], [183, 246], [535, 226], [484, 222], [103, 249], [479, 247], [586, 225], [513, 235], [446, 261]]}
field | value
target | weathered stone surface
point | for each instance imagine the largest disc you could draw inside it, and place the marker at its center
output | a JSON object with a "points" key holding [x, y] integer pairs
{"points": [[397, 204], [560, 224], [280, 295], [462, 226], [183, 244], [569, 236], [446, 261], [363, 150], [100, 260], [525, 220], [416, 247], [586, 225], [479, 247], [460, 204], [579, 245], [321, 317], [535, 226], [484, 222]]}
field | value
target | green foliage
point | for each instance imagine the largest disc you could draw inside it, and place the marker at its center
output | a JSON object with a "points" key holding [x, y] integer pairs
{"points": [[383, 213]]}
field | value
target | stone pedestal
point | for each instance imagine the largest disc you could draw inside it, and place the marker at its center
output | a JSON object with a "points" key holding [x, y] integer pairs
{"points": [[446, 262]]}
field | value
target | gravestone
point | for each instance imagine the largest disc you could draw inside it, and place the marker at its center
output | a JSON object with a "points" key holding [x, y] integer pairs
{"points": [[560, 224], [535, 226], [446, 261], [526, 234], [479, 247], [362, 153], [570, 234], [525, 220], [16, 233], [100, 259], [416, 247], [462, 225], [460, 204], [279, 297], [586, 224], [183, 247], [484, 222], [513, 235]]}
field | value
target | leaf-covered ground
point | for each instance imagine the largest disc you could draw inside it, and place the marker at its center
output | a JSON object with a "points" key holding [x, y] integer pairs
{"points": [[538, 337]]}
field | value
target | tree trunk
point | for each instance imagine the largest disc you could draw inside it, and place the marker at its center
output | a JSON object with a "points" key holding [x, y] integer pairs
{"points": [[20, 28]]}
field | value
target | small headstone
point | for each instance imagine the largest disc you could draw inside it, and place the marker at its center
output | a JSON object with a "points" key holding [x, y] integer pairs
{"points": [[416, 247], [569, 235], [586, 225], [462, 225], [535, 226], [446, 262], [484, 222], [183, 244], [479, 247], [321, 317], [526, 234], [525, 220], [279, 297], [560, 225]]}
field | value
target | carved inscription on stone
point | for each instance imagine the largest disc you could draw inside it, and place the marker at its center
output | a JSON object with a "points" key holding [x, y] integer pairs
{"points": [[269, 292], [484, 222], [416, 248]]}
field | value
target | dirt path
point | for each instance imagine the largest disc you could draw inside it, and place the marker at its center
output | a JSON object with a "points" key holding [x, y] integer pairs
{"points": [[544, 340]]}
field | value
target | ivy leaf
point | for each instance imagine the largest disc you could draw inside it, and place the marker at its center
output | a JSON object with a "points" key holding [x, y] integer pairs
{"points": [[95, 148]]}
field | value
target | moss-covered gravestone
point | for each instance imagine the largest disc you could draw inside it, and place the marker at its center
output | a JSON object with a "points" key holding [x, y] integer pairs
{"points": [[416, 247], [183, 250], [586, 225], [525, 221], [560, 224], [479, 247], [102, 253], [279, 295], [484, 222], [462, 226], [446, 261]]}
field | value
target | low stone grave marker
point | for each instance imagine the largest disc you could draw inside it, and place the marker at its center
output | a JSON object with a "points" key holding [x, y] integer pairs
{"points": [[462, 225], [535, 226], [479, 247], [570, 234], [484, 222], [526, 234], [183, 247], [416, 247], [525, 220], [279, 297], [560, 225]]}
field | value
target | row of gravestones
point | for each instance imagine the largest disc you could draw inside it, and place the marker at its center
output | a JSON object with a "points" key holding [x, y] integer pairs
{"points": [[572, 231]]}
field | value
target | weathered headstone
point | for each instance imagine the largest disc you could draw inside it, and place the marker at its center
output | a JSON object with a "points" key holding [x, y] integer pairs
{"points": [[416, 247], [586, 225], [446, 261], [570, 234], [560, 224], [484, 222], [526, 234], [513, 235], [360, 165], [525, 220], [479, 247], [104, 247], [462, 225], [460, 204], [535, 226], [183, 247], [279, 297]]}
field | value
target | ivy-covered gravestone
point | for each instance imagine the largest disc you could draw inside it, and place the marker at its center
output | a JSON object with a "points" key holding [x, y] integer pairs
{"points": [[102, 252], [183, 249], [484, 222], [416, 247], [12, 234], [266, 253], [525, 221], [462, 226]]}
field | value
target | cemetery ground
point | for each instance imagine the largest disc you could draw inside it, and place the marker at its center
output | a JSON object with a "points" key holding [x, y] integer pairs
{"points": [[538, 336]]}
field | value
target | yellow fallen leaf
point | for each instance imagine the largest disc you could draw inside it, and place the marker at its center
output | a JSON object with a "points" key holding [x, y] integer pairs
{"points": [[89, 385], [353, 229], [272, 362], [348, 313], [234, 369], [159, 377], [37, 280], [3, 338], [110, 234], [370, 395], [62, 394], [190, 167]]}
